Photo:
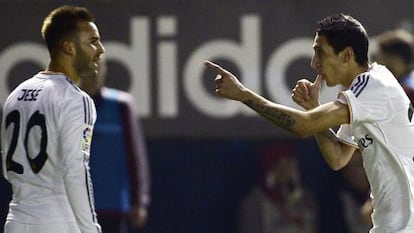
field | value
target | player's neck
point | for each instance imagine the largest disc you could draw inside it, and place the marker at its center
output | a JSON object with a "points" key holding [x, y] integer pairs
{"points": [[57, 67], [354, 72]]}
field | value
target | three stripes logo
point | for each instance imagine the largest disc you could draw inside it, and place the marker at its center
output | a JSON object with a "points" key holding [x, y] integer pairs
{"points": [[358, 87]]}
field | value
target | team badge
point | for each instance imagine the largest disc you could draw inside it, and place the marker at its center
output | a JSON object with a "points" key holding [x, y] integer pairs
{"points": [[86, 140]]}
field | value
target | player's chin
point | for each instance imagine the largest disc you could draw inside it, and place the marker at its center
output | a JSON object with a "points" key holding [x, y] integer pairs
{"points": [[90, 73]]}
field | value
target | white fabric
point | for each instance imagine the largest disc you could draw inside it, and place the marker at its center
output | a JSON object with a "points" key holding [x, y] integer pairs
{"points": [[57, 189], [14, 226], [382, 126]]}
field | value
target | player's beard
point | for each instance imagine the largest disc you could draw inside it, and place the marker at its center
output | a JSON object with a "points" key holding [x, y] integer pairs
{"points": [[84, 65]]}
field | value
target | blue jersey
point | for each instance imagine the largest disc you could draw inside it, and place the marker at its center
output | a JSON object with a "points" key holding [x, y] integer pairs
{"points": [[119, 168], [408, 84]]}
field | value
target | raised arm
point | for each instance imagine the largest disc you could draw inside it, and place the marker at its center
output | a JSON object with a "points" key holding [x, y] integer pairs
{"points": [[336, 153]]}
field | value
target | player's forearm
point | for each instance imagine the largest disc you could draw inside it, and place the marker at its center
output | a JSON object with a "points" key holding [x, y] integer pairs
{"points": [[275, 115], [282, 116], [332, 149], [79, 190]]}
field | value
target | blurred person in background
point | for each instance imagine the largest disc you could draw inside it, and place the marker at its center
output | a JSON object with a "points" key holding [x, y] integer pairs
{"points": [[279, 202], [396, 52], [120, 167]]}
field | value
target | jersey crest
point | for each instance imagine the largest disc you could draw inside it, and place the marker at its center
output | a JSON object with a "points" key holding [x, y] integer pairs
{"points": [[86, 140]]}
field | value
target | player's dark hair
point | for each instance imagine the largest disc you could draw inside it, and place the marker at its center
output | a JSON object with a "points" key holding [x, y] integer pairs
{"points": [[62, 23], [342, 31], [398, 43]]}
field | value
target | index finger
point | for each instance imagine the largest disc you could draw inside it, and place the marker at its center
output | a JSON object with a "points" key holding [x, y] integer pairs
{"points": [[215, 67], [318, 80]]}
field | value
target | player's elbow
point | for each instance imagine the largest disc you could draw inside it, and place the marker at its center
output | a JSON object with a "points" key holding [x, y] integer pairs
{"points": [[305, 127], [336, 166], [303, 134]]}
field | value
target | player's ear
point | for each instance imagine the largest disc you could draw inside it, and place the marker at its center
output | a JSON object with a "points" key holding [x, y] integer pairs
{"points": [[346, 54], [68, 47]]}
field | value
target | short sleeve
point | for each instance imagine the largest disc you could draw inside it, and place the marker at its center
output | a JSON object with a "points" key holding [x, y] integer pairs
{"points": [[366, 99], [344, 134]]}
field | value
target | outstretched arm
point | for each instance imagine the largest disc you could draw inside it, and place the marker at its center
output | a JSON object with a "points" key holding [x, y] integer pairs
{"points": [[300, 123], [316, 121]]}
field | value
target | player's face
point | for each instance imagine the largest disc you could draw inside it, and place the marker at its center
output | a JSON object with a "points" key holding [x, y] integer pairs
{"points": [[88, 49], [326, 62]]}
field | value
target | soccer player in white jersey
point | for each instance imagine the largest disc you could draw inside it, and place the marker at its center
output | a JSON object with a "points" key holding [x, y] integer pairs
{"points": [[374, 115], [47, 129]]}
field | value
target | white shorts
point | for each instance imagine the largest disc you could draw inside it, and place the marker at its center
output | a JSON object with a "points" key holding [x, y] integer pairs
{"points": [[18, 227]]}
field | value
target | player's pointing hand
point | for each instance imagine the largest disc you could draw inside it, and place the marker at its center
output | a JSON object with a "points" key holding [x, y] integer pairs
{"points": [[227, 84]]}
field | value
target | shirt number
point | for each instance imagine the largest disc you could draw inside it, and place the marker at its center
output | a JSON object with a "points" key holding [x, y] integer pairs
{"points": [[36, 163]]}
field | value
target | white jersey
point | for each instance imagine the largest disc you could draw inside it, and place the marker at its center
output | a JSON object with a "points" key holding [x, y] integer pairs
{"points": [[46, 132], [383, 129]]}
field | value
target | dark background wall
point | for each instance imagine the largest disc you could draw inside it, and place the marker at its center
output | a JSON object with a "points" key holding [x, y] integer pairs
{"points": [[198, 184], [155, 50]]}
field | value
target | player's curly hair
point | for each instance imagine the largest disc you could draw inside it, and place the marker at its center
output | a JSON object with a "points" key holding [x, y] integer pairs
{"points": [[62, 23], [342, 31]]}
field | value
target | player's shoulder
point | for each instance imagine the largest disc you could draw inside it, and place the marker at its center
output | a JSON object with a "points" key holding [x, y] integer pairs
{"points": [[376, 79], [382, 75], [61, 91], [61, 85]]}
